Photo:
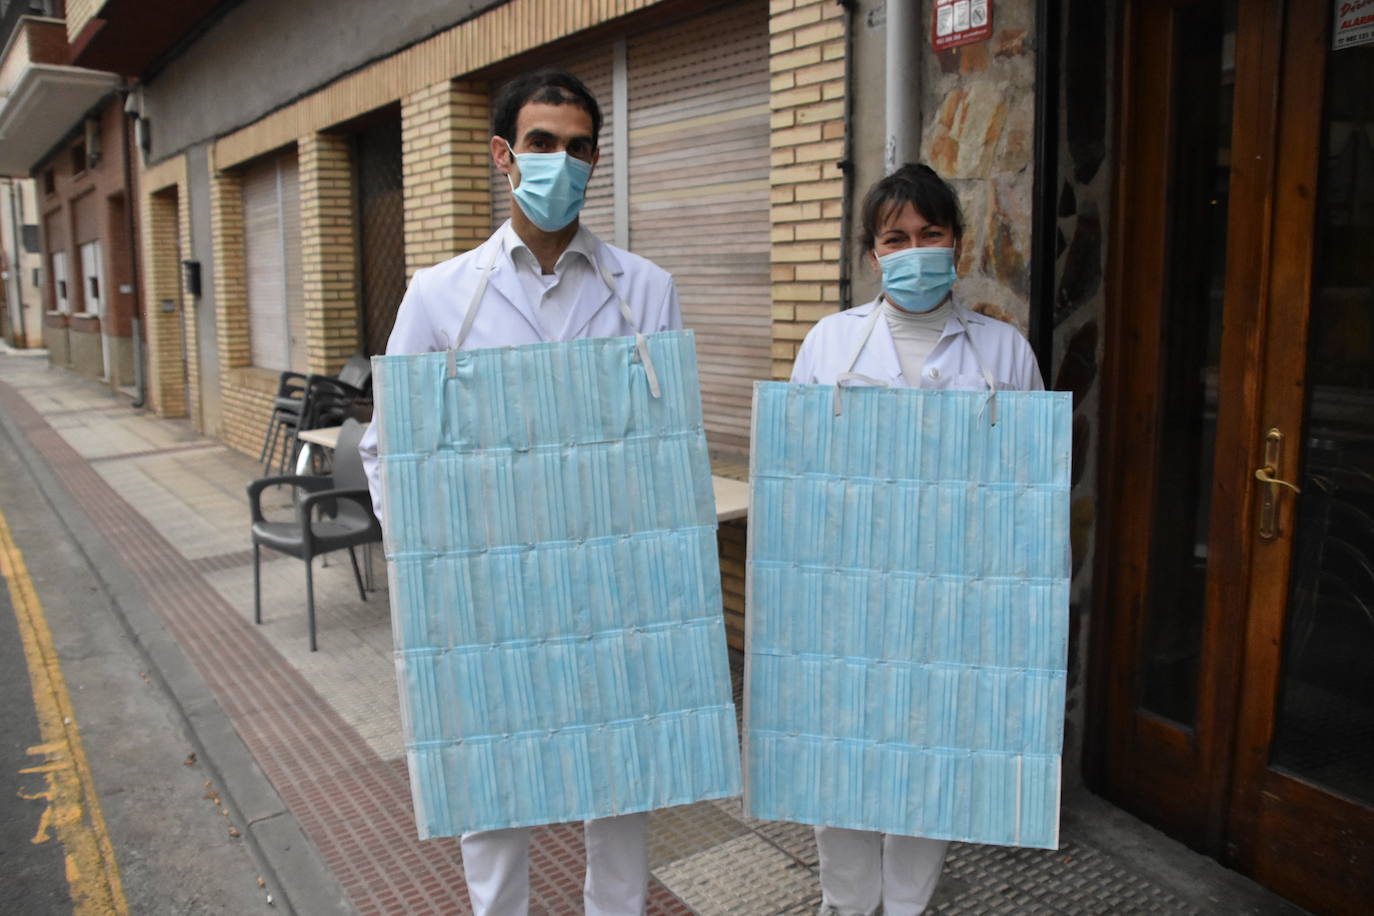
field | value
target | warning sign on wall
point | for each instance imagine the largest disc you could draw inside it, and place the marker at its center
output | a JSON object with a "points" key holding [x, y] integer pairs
{"points": [[1354, 23], [959, 22]]}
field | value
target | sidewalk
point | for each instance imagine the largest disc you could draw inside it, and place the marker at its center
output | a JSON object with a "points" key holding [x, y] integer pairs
{"points": [[323, 734]]}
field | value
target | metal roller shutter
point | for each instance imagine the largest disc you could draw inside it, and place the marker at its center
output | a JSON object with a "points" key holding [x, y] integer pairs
{"points": [[698, 141], [272, 261]]}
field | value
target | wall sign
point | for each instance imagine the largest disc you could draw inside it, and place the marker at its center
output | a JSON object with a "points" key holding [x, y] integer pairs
{"points": [[961, 22], [1354, 24]]}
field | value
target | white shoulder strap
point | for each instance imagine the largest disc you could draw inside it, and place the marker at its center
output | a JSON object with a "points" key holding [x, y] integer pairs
{"points": [[849, 375], [990, 405], [473, 308], [641, 345]]}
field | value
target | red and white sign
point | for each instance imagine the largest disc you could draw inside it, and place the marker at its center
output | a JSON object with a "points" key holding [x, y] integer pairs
{"points": [[960, 22], [1354, 24]]}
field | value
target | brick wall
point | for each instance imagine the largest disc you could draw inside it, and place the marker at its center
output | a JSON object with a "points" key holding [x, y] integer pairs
{"points": [[445, 131], [806, 64], [165, 380], [246, 401], [328, 252], [231, 286]]}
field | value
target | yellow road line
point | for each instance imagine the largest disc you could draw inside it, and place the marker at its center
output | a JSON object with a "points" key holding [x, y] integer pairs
{"points": [[73, 813]]}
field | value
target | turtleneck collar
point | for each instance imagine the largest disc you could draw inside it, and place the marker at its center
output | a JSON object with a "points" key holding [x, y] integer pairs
{"points": [[925, 321]]}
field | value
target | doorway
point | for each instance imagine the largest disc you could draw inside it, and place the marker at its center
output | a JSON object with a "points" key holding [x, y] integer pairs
{"points": [[1235, 676]]}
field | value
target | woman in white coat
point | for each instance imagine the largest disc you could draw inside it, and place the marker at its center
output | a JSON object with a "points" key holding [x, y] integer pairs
{"points": [[916, 334]]}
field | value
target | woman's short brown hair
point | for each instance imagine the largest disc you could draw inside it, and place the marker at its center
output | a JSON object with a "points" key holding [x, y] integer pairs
{"points": [[913, 184]]}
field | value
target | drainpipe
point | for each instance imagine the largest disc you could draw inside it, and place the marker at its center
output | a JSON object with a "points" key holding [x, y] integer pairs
{"points": [[130, 202], [847, 163], [903, 84], [1045, 224], [17, 281]]}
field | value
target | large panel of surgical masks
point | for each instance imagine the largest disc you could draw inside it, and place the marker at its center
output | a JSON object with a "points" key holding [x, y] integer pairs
{"points": [[908, 611], [555, 591]]}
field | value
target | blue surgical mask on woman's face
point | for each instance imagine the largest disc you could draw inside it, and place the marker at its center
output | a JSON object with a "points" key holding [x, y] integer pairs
{"points": [[918, 279], [552, 188]]}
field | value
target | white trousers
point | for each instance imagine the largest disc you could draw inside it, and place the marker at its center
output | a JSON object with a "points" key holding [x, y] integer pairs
{"points": [[861, 869], [497, 866]]}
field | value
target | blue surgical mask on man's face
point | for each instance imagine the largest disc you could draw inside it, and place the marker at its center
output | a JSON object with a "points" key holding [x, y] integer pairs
{"points": [[918, 279], [552, 188]]}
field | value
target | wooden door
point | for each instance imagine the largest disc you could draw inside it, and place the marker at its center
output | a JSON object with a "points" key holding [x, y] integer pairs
{"points": [[1302, 802], [1237, 707]]}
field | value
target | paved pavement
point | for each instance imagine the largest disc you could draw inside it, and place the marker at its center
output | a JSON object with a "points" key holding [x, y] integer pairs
{"points": [[307, 747]]}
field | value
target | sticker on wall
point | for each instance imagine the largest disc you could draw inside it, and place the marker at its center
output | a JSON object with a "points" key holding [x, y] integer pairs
{"points": [[960, 22], [1354, 24]]}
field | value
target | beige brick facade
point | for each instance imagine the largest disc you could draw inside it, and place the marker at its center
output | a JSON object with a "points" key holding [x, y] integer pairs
{"points": [[445, 131], [328, 252], [806, 67], [172, 381]]}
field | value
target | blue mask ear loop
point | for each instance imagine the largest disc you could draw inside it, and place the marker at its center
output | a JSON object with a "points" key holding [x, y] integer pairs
{"points": [[990, 405], [849, 375]]}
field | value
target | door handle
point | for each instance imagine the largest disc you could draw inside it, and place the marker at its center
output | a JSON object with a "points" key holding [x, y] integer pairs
{"points": [[1265, 475], [1269, 474]]}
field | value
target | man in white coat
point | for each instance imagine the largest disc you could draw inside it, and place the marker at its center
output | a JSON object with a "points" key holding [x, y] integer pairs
{"points": [[542, 276]]}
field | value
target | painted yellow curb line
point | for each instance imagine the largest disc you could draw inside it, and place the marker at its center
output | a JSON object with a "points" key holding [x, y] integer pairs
{"points": [[73, 812]]}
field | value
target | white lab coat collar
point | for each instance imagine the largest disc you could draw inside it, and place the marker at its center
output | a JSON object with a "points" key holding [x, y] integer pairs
{"points": [[879, 356], [592, 297]]}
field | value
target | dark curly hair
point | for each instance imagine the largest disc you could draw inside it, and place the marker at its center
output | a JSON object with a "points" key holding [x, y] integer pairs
{"points": [[548, 86]]}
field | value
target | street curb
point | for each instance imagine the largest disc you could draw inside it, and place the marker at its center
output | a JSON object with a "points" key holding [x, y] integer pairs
{"points": [[293, 868]]}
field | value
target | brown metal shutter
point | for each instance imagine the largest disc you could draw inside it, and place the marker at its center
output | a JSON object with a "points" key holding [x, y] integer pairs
{"points": [[698, 138], [381, 224], [272, 260], [593, 68]]}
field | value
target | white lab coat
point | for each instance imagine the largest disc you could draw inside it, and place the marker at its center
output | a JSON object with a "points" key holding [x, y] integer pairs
{"points": [[862, 869], [434, 306], [429, 319], [826, 351]]}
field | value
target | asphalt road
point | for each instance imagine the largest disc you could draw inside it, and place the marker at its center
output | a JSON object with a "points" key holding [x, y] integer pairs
{"points": [[32, 874], [175, 849]]}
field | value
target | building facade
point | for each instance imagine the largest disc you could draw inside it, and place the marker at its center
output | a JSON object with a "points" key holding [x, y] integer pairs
{"points": [[1131, 174], [21, 281], [63, 125]]}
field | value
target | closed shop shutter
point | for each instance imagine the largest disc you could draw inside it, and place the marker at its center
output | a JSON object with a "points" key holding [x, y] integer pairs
{"points": [[381, 230], [698, 138], [272, 260]]}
